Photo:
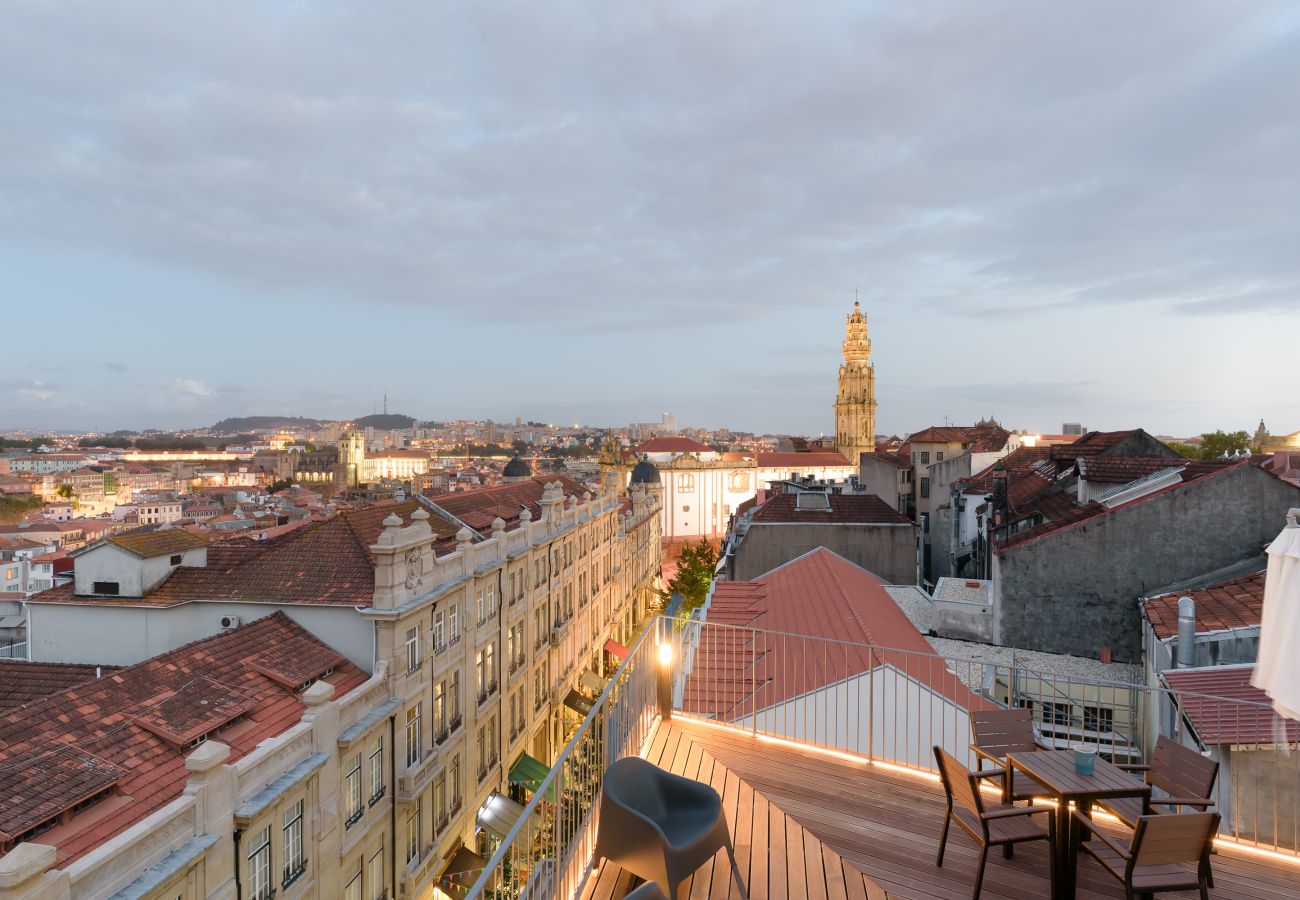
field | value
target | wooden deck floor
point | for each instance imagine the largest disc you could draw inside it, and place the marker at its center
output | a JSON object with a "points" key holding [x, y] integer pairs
{"points": [[811, 825]]}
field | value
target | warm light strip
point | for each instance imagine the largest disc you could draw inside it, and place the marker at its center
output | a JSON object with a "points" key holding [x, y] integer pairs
{"points": [[1223, 843]]}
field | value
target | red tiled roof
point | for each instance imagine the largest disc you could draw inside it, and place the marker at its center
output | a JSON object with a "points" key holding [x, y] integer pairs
{"points": [[893, 457], [157, 543], [813, 459], [477, 508], [1224, 708], [818, 595], [111, 721], [844, 508], [1124, 469], [1062, 512], [671, 445], [1090, 444], [1238, 603], [23, 682], [982, 438]]}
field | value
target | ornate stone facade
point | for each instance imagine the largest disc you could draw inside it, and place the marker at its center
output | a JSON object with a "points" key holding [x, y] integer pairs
{"points": [[855, 404]]}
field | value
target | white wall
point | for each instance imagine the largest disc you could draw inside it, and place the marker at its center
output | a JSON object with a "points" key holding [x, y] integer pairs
{"points": [[123, 635], [882, 713]]}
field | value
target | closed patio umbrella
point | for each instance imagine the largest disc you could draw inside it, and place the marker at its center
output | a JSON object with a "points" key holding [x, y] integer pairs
{"points": [[1277, 670]]}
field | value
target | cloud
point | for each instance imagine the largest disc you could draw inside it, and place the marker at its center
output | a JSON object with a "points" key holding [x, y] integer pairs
{"points": [[192, 387], [32, 394]]}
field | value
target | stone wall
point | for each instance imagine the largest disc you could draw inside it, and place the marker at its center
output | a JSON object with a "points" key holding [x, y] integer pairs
{"points": [[888, 551], [1076, 590]]}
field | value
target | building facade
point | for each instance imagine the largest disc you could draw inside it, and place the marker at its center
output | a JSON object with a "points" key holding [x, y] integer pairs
{"points": [[487, 624]]}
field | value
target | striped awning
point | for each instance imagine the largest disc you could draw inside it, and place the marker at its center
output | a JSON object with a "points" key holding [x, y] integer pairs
{"points": [[614, 647]]}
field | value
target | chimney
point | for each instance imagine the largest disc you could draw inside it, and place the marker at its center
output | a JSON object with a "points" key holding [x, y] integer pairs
{"points": [[1186, 654]]}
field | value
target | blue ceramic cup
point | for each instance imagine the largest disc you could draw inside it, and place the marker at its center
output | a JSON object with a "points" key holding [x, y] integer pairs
{"points": [[1085, 761]]}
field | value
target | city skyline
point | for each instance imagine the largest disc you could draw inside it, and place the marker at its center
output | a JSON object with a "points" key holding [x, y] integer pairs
{"points": [[593, 215]]}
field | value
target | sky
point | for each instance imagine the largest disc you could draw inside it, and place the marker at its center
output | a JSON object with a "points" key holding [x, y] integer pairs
{"points": [[596, 212]]}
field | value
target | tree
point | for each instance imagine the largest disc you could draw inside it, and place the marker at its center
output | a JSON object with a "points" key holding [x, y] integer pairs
{"points": [[694, 575], [276, 486], [13, 509], [1217, 443], [64, 491], [1191, 451]]}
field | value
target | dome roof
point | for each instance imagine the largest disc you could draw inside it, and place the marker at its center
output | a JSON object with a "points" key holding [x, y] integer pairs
{"points": [[517, 468], [645, 473]]}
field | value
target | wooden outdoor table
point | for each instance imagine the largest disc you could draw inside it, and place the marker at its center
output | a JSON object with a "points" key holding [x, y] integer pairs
{"points": [[1054, 770]]}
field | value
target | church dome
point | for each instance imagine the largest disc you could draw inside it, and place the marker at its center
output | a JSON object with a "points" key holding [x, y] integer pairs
{"points": [[645, 473], [517, 468]]}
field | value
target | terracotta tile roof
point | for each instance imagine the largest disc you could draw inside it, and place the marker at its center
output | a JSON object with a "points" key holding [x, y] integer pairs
{"points": [[157, 543], [1123, 469], [23, 682], [844, 508], [893, 457], [1224, 708], [813, 459], [671, 445], [112, 726], [477, 508], [1237, 603], [818, 595], [982, 439], [399, 454], [1090, 444], [1062, 512]]}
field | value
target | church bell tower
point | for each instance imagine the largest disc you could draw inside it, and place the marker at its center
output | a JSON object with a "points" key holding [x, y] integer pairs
{"points": [[855, 404]]}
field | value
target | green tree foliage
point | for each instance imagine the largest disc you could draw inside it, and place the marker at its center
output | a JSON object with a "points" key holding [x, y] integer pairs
{"points": [[1191, 451], [14, 509], [24, 443], [694, 575], [276, 486], [64, 491], [1217, 443]]}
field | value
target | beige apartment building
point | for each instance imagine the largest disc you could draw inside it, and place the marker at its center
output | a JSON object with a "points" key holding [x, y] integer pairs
{"points": [[484, 621]]}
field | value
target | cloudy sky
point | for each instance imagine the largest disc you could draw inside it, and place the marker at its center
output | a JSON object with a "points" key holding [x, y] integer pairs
{"points": [[599, 211]]}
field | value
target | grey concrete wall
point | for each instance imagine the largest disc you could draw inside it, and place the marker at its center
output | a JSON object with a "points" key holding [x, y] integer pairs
{"points": [[940, 533], [1076, 590], [879, 478], [886, 550]]}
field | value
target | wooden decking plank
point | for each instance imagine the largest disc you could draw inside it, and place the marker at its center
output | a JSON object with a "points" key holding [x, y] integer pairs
{"points": [[834, 874], [778, 882], [703, 772], [798, 880], [814, 866], [724, 782], [761, 856], [855, 883], [743, 833]]}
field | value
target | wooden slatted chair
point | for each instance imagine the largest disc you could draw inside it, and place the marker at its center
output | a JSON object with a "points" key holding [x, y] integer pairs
{"points": [[997, 732], [1182, 778], [1000, 825], [1154, 860]]}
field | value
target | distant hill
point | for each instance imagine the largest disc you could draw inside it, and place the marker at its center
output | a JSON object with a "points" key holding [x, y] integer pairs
{"points": [[385, 421], [240, 424]]}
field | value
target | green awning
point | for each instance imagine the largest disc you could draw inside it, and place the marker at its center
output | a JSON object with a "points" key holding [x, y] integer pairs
{"points": [[528, 771]]}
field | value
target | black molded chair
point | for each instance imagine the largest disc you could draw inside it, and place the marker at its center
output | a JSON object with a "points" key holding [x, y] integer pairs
{"points": [[660, 826]]}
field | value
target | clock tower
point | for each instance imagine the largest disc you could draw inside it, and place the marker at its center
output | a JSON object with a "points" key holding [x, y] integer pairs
{"points": [[855, 404]]}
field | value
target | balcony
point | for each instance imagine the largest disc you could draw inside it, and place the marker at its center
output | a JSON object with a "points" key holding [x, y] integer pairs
{"points": [[820, 807], [412, 782]]}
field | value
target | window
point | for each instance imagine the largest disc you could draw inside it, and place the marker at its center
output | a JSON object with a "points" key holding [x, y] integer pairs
{"points": [[925, 487], [352, 791], [685, 483], [453, 698], [440, 798], [440, 708], [413, 734], [412, 649], [925, 457], [938, 456], [1099, 719], [104, 587], [482, 609], [453, 624], [295, 862], [377, 769], [1056, 713], [353, 889], [439, 631], [176, 559], [378, 889], [259, 866], [413, 833], [453, 781]]}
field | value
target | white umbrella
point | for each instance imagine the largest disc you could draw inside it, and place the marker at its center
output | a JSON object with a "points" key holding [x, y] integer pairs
{"points": [[1277, 669]]}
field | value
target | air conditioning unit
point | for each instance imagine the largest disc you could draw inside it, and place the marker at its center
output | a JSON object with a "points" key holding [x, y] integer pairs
{"points": [[229, 622]]}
